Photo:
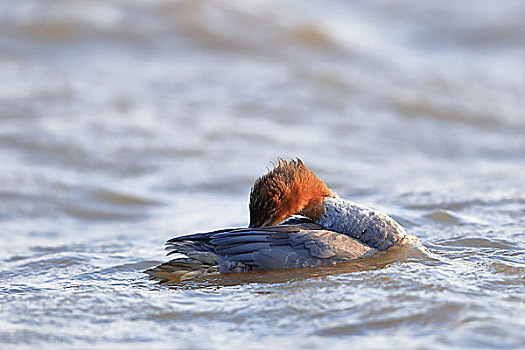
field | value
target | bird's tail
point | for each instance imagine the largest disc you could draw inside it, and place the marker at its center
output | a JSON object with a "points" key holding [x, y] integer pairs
{"points": [[181, 269]]}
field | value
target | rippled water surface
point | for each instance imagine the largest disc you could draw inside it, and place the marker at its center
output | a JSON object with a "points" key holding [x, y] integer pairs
{"points": [[123, 124]]}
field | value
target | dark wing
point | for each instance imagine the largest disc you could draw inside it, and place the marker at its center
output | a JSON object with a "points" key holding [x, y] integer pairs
{"points": [[270, 248]]}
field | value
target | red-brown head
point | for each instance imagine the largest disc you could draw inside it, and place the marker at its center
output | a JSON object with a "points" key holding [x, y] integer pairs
{"points": [[289, 188]]}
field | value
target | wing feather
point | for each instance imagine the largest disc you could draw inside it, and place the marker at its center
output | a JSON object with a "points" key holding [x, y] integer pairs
{"points": [[270, 248], [241, 248]]}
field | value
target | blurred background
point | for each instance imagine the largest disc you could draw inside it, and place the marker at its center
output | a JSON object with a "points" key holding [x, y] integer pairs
{"points": [[124, 123]]}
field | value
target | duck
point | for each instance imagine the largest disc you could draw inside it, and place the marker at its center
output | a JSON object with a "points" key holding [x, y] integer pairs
{"points": [[296, 221]]}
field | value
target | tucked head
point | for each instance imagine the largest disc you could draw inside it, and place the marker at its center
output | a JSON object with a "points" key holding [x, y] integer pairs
{"points": [[289, 188]]}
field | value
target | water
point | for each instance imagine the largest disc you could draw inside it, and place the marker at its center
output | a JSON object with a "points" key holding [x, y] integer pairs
{"points": [[124, 124]]}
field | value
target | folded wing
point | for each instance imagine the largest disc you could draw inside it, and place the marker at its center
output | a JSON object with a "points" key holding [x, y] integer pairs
{"points": [[268, 248]]}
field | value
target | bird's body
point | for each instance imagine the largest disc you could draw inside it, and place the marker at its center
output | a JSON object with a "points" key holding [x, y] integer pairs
{"points": [[295, 221]]}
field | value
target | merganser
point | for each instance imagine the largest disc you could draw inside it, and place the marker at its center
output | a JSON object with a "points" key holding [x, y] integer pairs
{"points": [[295, 221]]}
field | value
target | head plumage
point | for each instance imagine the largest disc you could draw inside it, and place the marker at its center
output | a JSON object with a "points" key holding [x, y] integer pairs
{"points": [[287, 189]]}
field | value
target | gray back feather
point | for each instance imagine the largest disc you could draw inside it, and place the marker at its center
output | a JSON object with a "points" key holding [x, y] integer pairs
{"points": [[270, 248]]}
